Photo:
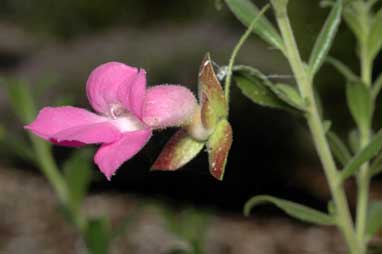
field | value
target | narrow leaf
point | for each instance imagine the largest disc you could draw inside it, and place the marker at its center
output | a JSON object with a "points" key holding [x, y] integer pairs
{"points": [[218, 147], [376, 89], [290, 95], [97, 236], [293, 209], [77, 172], [374, 219], [325, 38], [375, 38], [352, 18], [363, 156], [178, 151], [359, 102], [339, 149], [343, 69], [376, 166], [246, 11], [257, 87]]}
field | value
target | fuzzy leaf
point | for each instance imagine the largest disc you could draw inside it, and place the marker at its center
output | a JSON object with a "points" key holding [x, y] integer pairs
{"points": [[211, 95], [218, 147], [295, 210], [290, 95], [363, 156], [246, 11], [359, 103], [325, 38], [178, 151], [257, 87]]}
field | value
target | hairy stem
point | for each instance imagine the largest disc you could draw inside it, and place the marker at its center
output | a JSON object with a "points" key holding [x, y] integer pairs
{"points": [[314, 120]]}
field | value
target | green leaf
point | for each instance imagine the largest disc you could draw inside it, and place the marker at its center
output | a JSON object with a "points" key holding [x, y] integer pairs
{"points": [[290, 95], [257, 87], [353, 17], [363, 156], [178, 151], [78, 172], [343, 69], [374, 219], [325, 38], [218, 147], [376, 166], [375, 38], [359, 102], [293, 209], [246, 11], [354, 140], [97, 236], [327, 125], [21, 99], [376, 89], [339, 149]]}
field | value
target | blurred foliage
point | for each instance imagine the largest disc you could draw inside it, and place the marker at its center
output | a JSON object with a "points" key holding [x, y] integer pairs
{"points": [[73, 17]]}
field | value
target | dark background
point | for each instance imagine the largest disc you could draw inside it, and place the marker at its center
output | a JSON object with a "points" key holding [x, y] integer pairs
{"points": [[59, 42]]}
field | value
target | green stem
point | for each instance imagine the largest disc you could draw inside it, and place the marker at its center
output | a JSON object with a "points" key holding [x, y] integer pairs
{"points": [[49, 168], [305, 85], [363, 178], [235, 51]]}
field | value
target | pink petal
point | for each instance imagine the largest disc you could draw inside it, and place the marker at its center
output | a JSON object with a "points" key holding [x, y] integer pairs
{"points": [[73, 126], [115, 83], [110, 157], [168, 105]]}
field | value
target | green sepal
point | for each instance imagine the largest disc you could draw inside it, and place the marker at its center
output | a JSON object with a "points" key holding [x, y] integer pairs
{"points": [[211, 95], [295, 210], [218, 147], [178, 151]]}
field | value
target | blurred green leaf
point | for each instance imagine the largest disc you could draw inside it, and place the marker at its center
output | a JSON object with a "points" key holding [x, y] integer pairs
{"points": [[246, 11], [353, 14], [374, 219], [354, 140], [339, 149], [327, 125], [78, 171], [325, 38], [376, 89], [343, 69], [97, 236], [290, 95], [360, 103], [363, 156], [295, 210], [375, 35], [21, 99], [376, 166], [19, 147]]}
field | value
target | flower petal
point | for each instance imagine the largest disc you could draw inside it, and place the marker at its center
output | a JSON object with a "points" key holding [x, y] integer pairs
{"points": [[116, 83], [110, 157], [168, 105], [72, 126]]}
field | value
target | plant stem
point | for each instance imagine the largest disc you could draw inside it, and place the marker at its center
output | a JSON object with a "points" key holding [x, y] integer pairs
{"points": [[363, 178], [49, 168], [305, 85]]}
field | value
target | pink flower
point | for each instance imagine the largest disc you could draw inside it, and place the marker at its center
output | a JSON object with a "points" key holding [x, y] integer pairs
{"points": [[127, 113]]}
